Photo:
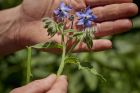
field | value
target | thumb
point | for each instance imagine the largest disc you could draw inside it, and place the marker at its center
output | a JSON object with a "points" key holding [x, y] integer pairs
{"points": [[37, 86], [60, 85]]}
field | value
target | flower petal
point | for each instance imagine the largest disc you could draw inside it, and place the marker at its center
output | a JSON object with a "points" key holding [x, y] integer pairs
{"points": [[66, 8], [65, 14], [88, 10], [80, 22], [78, 14], [56, 12], [88, 24], [93, 17], [62, 4]]}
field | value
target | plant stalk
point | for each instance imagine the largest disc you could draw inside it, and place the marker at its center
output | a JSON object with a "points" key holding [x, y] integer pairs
{"points": [[62, 64], [29, 58]]}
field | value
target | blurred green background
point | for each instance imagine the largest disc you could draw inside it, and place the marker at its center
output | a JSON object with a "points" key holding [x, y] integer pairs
{"points": [[120, 65]]}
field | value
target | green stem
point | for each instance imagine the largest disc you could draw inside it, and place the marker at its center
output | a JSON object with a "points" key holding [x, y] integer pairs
{"points": [[29, 56], [62, 64]]}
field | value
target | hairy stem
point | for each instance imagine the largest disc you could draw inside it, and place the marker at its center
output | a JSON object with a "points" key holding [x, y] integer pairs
{"points": [[29, 58], [62, 64]]}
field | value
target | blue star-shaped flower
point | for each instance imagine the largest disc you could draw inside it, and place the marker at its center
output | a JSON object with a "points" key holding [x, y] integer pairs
{"points": [[86, 17], [62, 11]]}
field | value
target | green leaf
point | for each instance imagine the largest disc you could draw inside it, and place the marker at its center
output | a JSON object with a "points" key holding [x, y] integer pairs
{"points": [[69, 31], [77, 34], [60, 26], [91, 70], [71, 60], [52, 29], [48, 45], [47, 22], [88, 37], [52, 26], [86, 64]]}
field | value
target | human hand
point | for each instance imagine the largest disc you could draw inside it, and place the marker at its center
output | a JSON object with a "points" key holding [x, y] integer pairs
{"points": [[112, 18], [51, 84]]}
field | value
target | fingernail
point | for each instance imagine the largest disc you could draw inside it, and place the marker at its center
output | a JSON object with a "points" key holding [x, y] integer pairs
{"points": [[52, 75], [63, 77]]}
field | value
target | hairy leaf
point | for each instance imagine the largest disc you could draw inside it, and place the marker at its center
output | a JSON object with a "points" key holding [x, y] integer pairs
{"points": [[77, 34], [48, 45], [88, 37], [60, 26], [91, 70], [52, 26], [71, 59], [69, 31]]}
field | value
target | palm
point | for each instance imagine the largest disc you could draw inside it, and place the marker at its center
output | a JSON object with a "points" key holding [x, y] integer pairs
{"points": [[32, 31], [33, 11], [39, 8]]}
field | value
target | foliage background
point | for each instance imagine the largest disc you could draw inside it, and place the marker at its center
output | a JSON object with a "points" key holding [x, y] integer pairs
{"points": [[120, 65]]}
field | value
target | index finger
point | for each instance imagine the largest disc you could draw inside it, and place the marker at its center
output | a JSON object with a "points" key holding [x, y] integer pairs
{"points": [[93, 3]]}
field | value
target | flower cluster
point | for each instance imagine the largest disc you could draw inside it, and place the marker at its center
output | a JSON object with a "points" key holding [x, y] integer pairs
{"points": [[85, 18]]}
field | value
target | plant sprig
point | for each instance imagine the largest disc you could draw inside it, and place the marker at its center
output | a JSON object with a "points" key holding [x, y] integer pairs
{"points": [[86, 35]]}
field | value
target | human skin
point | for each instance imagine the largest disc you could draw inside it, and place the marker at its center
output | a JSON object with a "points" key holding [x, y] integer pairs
{"points": [[22, 26], [51, 84]]}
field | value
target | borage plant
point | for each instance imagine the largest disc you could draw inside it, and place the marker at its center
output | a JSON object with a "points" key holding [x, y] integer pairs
{"points": [[85, 22]]}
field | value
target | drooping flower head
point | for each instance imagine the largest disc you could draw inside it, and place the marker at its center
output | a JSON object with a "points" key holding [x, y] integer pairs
{"points": [[62, 11], [86, 17]]}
